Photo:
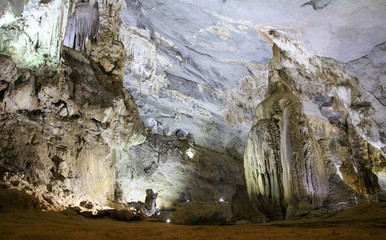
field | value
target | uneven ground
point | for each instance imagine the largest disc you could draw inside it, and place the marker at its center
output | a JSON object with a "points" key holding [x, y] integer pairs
{"points": [[365, 221]]}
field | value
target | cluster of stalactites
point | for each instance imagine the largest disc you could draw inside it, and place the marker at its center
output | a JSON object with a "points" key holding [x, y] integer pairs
{"points": [[82, 25]]}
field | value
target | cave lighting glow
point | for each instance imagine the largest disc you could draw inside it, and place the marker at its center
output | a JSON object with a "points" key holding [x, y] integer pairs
{"points": [[8, 17], [190, 153]]}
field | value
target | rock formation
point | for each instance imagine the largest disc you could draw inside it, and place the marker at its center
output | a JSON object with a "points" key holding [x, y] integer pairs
{"points": [[314, 77], [82, 26], [150, 203], [357, 114], [62, 136], [32, 32], [64, 127], [181, 171], [307, 115], [282, 161]]}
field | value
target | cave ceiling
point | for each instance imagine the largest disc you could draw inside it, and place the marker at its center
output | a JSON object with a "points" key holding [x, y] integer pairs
{"points": [[205, 52]]}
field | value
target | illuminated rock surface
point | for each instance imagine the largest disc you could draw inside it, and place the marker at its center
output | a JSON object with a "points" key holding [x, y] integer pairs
{"points": [[32, 31], [63, 128], [57, 146], [72, 133], [283, 162]]}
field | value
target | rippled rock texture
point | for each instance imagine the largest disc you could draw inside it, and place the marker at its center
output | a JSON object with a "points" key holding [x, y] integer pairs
{"points": [[283, 164]]}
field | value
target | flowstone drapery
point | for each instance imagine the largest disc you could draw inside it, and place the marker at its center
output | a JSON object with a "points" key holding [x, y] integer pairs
{"points": [[282, 160]]}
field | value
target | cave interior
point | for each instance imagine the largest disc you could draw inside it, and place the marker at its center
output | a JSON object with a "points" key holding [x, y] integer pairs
{"points": [[150, 117]]}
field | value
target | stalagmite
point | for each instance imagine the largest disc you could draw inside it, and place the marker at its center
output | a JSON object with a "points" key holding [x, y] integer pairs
{"points": [[283, 164]]}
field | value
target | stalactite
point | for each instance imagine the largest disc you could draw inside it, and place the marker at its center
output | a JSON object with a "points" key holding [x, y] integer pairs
{"points": [[82, 26]]}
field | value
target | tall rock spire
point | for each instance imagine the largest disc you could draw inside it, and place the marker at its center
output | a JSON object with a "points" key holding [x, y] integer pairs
{"points": [[283, 163]]}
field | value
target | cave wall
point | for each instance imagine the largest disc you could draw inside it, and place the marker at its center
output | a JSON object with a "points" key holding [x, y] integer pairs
{"points": [[181, 171], [63, 125], [59, 135], [167, 65]]}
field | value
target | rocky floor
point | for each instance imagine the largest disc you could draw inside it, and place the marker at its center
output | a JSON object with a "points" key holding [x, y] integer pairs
{"points": [[19, 220]]}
